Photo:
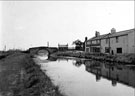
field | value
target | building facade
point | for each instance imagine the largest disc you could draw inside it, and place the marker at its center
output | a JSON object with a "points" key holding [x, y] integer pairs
{"points": [[112, 43], [62, 47]]}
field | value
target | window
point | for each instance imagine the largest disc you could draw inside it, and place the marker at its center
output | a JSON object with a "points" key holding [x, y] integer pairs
{"points": [[97, 41], [117, 39], [91, 49], [119, 50], [88, 42], [95, 49], [87, 49], [92, 42], [107, 50]]}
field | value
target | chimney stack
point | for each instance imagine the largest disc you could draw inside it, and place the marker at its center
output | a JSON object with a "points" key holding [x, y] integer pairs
{"points": [[113, 30], [86, 39], [97, 34]]}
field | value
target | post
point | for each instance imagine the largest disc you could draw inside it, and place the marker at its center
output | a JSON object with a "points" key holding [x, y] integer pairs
{"points": [[109, 43], [47, 44]]}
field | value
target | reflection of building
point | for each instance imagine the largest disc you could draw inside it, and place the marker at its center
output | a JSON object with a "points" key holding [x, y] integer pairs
{"points": [[114, 82], [114, 42], [119, 73], [98, 77], [52, 58], [78, 63], [63, 47]]}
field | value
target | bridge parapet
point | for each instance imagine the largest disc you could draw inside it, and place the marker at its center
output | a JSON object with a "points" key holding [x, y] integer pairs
{"points": [[35, 50]]}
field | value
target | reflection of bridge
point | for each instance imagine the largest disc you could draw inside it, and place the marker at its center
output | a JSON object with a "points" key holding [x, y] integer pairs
{"points": [[36, 50]]}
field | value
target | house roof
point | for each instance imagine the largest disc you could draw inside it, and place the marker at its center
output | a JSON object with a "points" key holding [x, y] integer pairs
{"points": [[62, 45], [120, 33], [98, 37], [77, 42]]}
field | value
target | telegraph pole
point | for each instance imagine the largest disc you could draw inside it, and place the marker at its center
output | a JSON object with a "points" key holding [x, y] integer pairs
{"points": [[5, 48], [47, 44]]}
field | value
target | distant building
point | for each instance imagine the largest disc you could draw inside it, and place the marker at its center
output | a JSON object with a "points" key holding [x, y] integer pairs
{"points": [[112, 43], [62, 47], [78, 45]]}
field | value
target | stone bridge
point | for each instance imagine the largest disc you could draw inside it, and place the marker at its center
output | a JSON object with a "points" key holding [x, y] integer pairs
{"points": [[37, 50]]}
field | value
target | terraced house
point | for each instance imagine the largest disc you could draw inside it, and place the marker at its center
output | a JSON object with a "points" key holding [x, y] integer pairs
{"points": [[112, 43]]}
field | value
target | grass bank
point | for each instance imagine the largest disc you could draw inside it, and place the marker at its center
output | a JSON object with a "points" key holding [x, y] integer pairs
{"points": [[21, 76], [121, 58]]}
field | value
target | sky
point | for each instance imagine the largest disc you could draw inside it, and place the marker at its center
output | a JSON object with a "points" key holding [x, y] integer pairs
{"points": [[25, 24]]}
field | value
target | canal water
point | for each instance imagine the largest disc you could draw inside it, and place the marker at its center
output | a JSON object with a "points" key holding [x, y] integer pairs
{"points": [[79, 77]]}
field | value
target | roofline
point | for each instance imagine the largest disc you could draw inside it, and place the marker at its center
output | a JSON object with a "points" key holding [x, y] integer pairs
{"points": [[127, 30], [97, 39], [113, 36]]}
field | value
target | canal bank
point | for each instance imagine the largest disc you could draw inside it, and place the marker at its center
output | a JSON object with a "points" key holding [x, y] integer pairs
{"points": [[121, 58], [21, 76]]}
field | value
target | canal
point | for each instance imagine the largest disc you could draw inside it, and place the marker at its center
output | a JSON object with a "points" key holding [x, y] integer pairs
{"points": [[79, 77]]}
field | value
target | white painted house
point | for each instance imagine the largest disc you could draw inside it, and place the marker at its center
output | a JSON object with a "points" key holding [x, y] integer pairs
{"points": [[113, 42]]}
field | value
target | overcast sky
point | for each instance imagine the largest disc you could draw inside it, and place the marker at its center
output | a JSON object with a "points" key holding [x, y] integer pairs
{"points": [[34, 23]]}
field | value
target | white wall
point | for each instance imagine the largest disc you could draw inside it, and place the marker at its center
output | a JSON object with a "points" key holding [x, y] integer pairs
{"points": [[122, 43], [103, 45], [126, 42], [131, 42]]}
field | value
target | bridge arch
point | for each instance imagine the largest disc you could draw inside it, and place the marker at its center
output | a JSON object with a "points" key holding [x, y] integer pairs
{"points": [[42, 50]]}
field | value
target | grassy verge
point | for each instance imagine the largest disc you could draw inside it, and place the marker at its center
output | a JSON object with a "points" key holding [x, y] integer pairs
{"points": [[123, 58], [20, 76]]}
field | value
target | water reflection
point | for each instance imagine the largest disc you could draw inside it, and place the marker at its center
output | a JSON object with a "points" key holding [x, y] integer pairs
{"points": [[114, 72], [77, 77], [52, 58]]}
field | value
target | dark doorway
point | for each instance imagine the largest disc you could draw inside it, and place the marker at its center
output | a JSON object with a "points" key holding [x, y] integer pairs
{"points": [[112, 52]]}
